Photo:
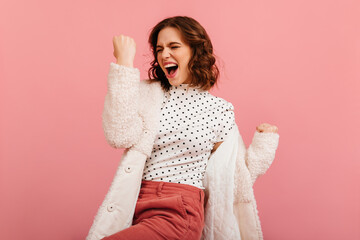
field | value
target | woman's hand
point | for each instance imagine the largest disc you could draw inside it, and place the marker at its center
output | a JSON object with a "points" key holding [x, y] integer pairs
{"points": [[124, 50], [265, 127]]}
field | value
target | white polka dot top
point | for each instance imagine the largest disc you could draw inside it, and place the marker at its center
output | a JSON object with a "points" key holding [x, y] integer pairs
{"points": [[192, 121]]}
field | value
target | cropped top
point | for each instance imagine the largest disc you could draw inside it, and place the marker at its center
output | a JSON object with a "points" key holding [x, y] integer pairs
{"points": [[192, 121]]}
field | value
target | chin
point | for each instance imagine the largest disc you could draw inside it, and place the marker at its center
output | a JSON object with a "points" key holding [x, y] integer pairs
{"points": [[174, 82]]}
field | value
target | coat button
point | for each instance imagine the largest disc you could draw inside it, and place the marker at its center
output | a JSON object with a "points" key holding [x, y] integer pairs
{"points": [[128, 169], [110, 207]]}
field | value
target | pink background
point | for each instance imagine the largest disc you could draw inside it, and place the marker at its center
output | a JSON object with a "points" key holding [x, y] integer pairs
{"points": [[294, 64]]}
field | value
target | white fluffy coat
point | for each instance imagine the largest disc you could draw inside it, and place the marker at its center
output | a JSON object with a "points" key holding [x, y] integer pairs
{"points": [[130, 120]]}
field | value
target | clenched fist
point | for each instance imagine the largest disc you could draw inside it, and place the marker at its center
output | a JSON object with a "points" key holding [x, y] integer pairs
{"points": [[265, 127], [124, 50]]}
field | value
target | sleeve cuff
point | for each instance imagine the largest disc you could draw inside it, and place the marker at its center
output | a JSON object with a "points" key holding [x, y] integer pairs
{"points": [[269, 140], [127, 73]]}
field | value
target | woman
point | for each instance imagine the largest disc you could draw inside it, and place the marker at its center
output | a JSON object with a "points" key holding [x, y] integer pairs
{"points": [[192, 125]]}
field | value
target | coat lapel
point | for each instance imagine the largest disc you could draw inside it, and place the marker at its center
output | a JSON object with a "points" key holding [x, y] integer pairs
{"points": [[220, 222]]}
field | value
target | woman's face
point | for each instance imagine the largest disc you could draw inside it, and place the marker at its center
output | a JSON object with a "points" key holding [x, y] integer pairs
{"points": [[173, 53]]}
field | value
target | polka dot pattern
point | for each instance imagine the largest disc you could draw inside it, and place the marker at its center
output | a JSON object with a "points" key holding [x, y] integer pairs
{"points": [[191, 122]]}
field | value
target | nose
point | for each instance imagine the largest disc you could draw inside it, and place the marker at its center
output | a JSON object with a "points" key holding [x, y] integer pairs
{"points": [[165, 53]]}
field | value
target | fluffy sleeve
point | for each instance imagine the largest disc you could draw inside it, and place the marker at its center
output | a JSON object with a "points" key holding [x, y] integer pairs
{"points": [[121, 122], [261, 153]]}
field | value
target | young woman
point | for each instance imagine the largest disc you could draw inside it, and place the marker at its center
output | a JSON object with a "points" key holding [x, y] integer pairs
{"points": [[192, 125]]}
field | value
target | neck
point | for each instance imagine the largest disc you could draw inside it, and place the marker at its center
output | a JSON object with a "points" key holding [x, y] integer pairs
{"points": [[186, 87]]}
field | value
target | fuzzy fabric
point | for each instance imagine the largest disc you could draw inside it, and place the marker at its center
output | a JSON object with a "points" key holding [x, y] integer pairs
{"points": [[231, 210], [130, 120], [121, 121]]}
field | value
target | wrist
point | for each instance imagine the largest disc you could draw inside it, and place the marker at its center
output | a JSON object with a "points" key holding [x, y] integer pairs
{"points": [[127, 64], [267, 131]]}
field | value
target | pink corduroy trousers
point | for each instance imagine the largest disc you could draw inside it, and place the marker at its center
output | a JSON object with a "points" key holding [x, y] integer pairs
{"points": [[164, 211]]}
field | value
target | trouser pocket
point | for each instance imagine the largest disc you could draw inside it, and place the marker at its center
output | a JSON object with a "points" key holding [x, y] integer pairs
{"points": [[170, 208]]}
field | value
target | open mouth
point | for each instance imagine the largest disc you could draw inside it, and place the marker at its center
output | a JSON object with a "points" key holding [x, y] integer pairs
{"points": [[171, 70]]}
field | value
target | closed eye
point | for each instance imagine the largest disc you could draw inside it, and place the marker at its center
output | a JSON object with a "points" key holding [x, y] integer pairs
{"points": [[171, 47]]}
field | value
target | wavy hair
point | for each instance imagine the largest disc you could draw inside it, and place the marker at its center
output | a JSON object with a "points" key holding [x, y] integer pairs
{"points": [[202, 67]]}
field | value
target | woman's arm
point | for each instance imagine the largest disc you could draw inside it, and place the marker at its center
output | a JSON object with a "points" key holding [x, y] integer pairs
{"points": [[121, 122], [227, 120], [216, 145], [261, 153]]}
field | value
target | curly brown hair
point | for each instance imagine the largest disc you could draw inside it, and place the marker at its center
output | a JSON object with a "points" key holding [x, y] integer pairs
{"points": [[201, 66]]}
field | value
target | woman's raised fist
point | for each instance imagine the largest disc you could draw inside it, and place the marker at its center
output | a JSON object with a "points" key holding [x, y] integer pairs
{"points": [[124, 50], [266, 127]]}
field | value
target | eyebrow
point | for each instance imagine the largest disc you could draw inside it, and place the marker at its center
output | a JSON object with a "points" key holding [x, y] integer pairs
{"points": [[169, 44]]}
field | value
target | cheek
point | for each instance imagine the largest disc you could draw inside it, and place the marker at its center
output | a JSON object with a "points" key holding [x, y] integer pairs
{"points": [[184, 62], [185, 67], [158, 60]]}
